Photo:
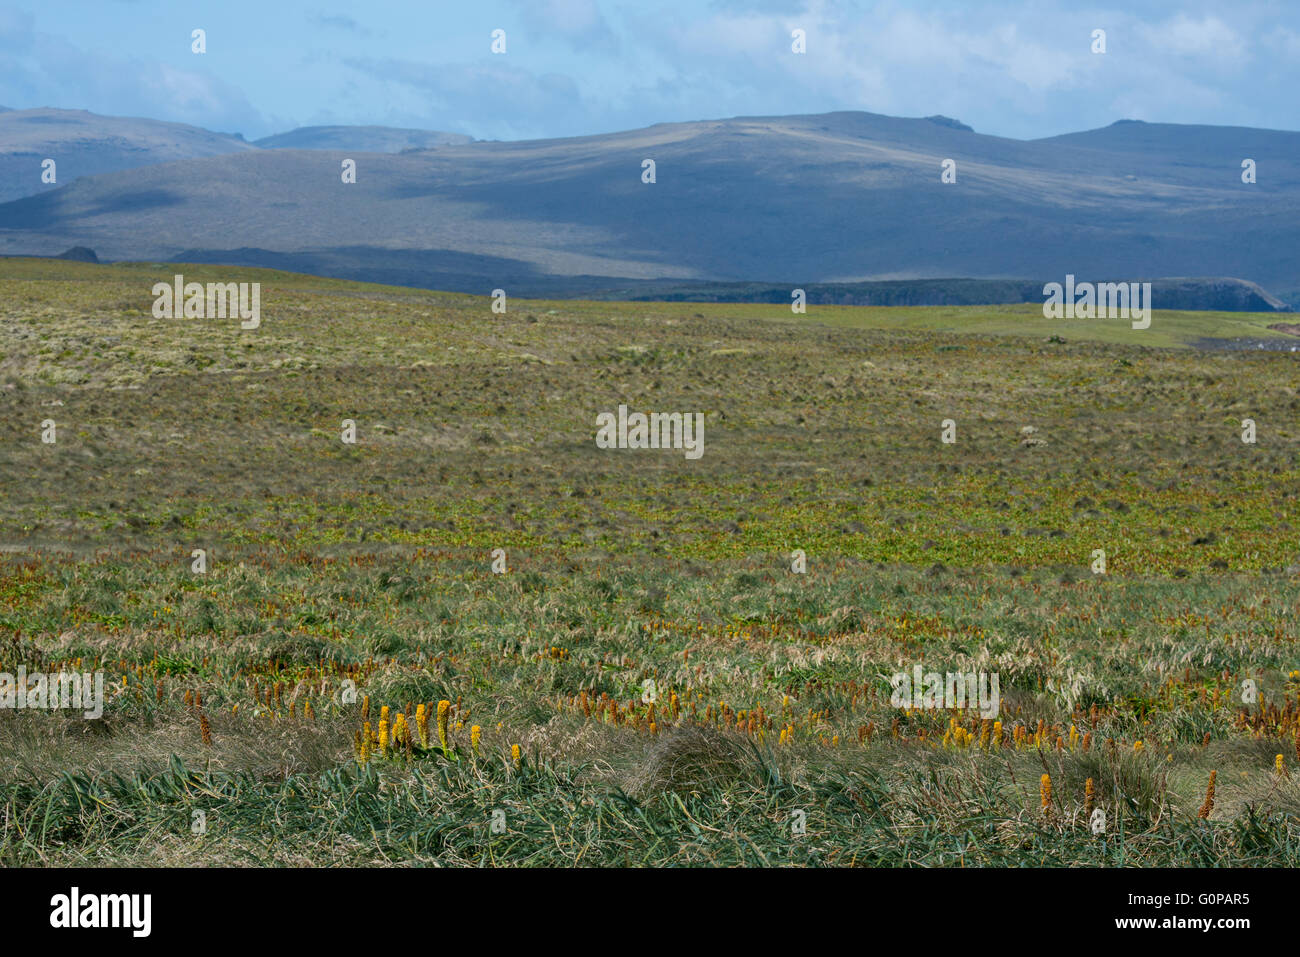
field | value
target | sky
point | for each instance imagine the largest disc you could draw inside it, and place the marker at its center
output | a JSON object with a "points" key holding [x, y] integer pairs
{"points": [[1015, 68]]}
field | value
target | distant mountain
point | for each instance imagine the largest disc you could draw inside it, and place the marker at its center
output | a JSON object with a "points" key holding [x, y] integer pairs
{"points": [[779, 201], [1172, 141], [84, 144], [79, 254], [361, 139], [1218, 294]]}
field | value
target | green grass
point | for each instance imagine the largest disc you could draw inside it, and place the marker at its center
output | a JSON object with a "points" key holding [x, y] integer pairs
{"points": [[370, 564]]}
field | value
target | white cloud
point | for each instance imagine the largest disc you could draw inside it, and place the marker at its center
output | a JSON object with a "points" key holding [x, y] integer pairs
{"points": [[485, 100], [1183, 36], [580, 22], [43, 69]]}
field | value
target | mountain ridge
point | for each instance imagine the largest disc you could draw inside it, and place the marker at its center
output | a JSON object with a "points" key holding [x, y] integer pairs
{"points": [[840, 197], [369, 139]]}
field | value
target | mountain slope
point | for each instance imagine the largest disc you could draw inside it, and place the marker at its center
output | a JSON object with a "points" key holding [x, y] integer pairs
{"points": [[799, 199], [84, 144], [361, 139]]}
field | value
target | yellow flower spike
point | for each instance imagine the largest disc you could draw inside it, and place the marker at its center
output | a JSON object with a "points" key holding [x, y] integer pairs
{"points": [[1279, 765], [383, 713], [515, 755], [365, 749], [997, 734], [474, 734], [1045, 792], [444, 706], [1074, 737], [1089, 798], [365, 707], [383, 736], [1137, 746], [422, 724]]}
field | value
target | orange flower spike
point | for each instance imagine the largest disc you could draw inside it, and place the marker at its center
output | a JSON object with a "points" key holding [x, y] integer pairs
{"points": [[1208, 806]]}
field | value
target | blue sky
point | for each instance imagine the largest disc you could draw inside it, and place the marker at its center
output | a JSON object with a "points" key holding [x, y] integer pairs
{"points": [[1019, 68]]}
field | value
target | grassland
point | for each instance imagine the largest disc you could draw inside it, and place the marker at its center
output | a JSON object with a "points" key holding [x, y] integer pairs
{"points": [[370, 564]]}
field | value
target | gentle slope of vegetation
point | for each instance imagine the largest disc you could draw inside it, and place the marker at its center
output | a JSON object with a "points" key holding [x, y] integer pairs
{"points": [[676, 692]]}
